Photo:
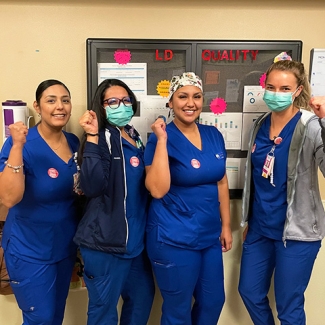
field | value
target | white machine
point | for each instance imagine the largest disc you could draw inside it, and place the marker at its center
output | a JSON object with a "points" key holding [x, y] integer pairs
{"points": [[14, 111]]}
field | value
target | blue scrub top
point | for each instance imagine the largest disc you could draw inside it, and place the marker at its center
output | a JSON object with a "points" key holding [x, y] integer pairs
{"points": [[136, 199], [270, 202], [41, 226], [189, 215]]}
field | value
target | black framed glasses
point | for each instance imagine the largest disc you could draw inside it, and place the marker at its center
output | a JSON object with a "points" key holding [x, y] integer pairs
{"points": [[115, 102]]}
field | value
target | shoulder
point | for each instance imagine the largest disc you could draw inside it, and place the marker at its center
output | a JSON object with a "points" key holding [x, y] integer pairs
{"points": [[33, 134], [34, 142], [210, 130], [206, 128], [170, 126], [71, 136], [109, 134], [307, 116], [260, 120], [310, 122], [109, 139], [152, 139], [110, 131]]}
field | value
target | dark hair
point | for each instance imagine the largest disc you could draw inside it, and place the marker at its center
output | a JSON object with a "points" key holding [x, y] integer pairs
{"points": [[97, 106], [97, 102], [298, 70], [46, 84]]}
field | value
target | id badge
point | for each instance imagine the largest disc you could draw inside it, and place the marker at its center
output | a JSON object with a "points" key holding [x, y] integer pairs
{"points": [[268, 166], [76, 183]]}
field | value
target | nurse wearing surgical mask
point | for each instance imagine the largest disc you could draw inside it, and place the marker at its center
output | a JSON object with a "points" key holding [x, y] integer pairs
{"points": [[281, 199], [111, 232]]}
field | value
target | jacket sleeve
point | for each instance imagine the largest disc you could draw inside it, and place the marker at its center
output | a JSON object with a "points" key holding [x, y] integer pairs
{"points": [[320, 147], [94, 173]]}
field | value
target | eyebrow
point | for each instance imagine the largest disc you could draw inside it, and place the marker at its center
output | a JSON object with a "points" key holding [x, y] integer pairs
{"points": [[54, 96], [186, 93], [269, 84], [118, 98]]}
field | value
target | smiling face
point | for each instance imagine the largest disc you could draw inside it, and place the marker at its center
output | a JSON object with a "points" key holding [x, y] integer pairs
{"points": [[187, 103], [54, 106]]}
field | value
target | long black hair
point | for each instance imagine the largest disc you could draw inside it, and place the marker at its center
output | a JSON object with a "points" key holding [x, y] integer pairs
{"points": [[97, 106]]}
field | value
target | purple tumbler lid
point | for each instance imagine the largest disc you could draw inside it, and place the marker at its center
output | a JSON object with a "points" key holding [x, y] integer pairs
{"points": [[12, 102]]}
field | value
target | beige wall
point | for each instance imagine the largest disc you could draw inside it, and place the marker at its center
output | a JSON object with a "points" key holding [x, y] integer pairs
{"points": [[39, 40]]}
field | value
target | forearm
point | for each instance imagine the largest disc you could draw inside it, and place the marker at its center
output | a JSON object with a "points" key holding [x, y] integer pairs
{"points": [[224, 201], [226, 235], [12, 181], [158, 174]]}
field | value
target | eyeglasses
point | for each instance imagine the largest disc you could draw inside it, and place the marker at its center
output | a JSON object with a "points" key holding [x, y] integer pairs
{"points": [[115, 102]]}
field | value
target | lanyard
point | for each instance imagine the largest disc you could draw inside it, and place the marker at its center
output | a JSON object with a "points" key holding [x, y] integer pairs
{"points": [[76, 177], [268, 167]]}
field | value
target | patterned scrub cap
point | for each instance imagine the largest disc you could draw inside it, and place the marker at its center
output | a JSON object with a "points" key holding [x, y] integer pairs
{"points": [[186, 79], [282, 56]]}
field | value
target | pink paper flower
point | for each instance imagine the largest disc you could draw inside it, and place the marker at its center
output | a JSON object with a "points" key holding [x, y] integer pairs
{"points": [[218, 105]]}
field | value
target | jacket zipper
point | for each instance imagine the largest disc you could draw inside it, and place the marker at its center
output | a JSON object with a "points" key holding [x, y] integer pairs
{"points": [[126, 221]]}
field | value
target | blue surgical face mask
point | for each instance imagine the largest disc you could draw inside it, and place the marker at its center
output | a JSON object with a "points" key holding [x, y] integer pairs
{"points": [[278, 101], [120, 116]]}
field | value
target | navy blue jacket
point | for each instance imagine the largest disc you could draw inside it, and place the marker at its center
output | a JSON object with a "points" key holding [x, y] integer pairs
{"points": [[102, 179]]}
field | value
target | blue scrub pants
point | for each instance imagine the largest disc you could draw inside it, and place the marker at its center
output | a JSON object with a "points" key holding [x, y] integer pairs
{"points": [[40, 289], [292, 266], [182, 274], [108, 277]]}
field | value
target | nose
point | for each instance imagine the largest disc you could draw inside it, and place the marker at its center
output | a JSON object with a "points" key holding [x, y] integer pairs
{"points": [[59, 104], [190, 102]]}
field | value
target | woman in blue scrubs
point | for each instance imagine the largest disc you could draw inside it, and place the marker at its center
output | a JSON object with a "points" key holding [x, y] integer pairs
{"points": [[281, 199], [189, 217], [37, 185], [111, 232]]}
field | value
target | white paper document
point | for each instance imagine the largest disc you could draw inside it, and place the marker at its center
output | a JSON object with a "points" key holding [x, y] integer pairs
{"points": [[150, 108], [235, 169], [229, 124], [253, 99], [232, 90], [317, 74], [133, 74]]}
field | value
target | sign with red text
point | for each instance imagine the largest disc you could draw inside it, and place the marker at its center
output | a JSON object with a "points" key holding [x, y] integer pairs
{"points": [[164, 55], [229, 55]]}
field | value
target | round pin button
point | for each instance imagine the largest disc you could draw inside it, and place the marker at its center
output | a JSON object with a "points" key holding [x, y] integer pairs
{"points": [[195, 163], [277, 140], [53, 173], [134, 161]]}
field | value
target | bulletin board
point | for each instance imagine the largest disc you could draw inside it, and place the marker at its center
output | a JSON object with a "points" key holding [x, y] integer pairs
{"points": [[317, 72], [232, 74]]}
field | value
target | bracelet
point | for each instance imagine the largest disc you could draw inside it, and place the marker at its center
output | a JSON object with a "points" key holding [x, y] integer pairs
{"points": [[92, 134], [15, 169]]}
